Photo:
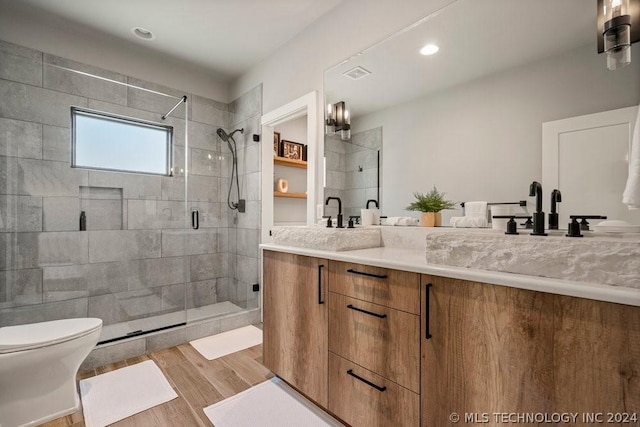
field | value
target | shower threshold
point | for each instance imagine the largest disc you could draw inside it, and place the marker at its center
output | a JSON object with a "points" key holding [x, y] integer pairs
{"points": [[132, 328]]}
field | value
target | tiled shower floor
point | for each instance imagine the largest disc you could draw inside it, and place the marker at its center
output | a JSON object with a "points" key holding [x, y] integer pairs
{"points": [[118, 330]]}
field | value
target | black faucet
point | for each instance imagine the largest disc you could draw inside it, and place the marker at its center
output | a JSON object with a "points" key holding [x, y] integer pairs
{"points": [[339, 218], [535, 189], [556, 197], [375, 202]]}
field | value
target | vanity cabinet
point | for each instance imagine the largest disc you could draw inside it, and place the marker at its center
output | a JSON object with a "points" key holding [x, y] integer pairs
{"points": [[295, 321], [374, 345], [489, 348], [379, 347]]}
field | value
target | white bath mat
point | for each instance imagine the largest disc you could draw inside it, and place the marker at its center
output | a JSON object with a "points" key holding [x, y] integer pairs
{"points": [[119, 394], [269, 404], [228, 342]]}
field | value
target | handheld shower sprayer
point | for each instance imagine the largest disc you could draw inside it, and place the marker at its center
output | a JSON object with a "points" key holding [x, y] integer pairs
{"points": [[225, 137], [234, 167]]}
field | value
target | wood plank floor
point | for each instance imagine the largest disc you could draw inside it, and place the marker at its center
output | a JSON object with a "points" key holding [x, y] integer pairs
{"points": [[197, 381]]}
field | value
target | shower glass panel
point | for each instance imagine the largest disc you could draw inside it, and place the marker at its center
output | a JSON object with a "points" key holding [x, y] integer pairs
{"points": [[212, 291], [84, 241], [144, 249]]}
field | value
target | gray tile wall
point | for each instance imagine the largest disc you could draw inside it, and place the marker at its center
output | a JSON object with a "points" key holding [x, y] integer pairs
{"points": [[335, 153], [244, 231], [136, 256], [352, 168]]}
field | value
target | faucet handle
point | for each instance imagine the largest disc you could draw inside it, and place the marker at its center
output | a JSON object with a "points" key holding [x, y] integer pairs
{"points": [[574, 229], [584, 224]]}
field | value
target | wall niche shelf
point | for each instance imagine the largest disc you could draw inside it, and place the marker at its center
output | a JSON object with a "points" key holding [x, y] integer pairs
{"points": [[290, 195], [283, 161]]}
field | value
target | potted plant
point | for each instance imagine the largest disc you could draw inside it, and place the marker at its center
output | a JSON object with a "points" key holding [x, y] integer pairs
{"points": [[430, 205]]}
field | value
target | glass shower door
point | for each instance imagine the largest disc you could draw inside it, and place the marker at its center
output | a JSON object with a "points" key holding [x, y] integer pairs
{"points": [[91, 241]]}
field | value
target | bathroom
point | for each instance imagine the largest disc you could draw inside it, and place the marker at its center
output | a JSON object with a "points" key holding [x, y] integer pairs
{"points": [[164, 259]]}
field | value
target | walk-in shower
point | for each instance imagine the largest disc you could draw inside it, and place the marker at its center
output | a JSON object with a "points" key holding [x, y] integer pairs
{"points": [[136, 260], [240, 204]]}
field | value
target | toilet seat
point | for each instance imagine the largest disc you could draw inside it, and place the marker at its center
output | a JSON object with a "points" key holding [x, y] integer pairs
{"points": [[37, 335]]}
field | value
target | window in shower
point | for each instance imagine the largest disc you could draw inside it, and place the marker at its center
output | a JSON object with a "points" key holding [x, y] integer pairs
{"points": [[116, 143]]}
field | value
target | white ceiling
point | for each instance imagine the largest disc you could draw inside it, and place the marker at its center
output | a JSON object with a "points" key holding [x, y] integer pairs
{"points": [[476, 38], [225, 36]]}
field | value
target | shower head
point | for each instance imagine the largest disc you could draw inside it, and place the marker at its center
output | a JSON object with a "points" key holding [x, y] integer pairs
{"points": [[225, 136]]}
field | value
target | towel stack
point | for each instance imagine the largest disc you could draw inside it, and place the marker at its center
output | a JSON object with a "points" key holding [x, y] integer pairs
{"points": [[475, 216]]}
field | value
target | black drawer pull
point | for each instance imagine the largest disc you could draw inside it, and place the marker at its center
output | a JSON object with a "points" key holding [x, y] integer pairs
{"points": [[377, 387], [426, 315], [320, 300], [381, 316], [377, 276]]}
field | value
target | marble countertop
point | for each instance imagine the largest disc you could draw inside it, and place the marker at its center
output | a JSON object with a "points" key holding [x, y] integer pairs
{"points": [[414, 260]]}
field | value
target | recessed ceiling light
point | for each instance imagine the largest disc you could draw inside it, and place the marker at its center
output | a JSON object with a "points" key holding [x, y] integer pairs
{"points": [[143, 33], [429, 49]]}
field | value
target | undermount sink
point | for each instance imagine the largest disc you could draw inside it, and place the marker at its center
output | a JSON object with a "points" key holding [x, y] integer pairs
{"points": [[597, 258], [327, 239]]}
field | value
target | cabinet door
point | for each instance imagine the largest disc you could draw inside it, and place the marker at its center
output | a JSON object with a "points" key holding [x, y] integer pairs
{"points": [[597, 358], [295, 322], [490, 350]]}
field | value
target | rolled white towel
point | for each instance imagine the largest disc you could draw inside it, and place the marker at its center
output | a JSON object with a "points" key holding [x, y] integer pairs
{"points": [[468, 221], [407, 221], [401, 220], [478, 209]]}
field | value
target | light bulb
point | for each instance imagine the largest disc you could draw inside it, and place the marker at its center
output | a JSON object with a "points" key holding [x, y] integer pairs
{"points": [[429, 49], [617, 33]]}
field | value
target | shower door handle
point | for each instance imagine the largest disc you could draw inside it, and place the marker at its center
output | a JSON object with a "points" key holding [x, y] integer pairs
{"points": [[195, 220]]}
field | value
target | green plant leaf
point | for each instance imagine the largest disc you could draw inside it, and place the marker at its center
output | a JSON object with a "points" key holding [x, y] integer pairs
{"points": [[433, 201]]}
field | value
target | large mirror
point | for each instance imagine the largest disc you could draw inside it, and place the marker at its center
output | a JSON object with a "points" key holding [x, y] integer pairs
{"points": [[352, 168], [469, 118]]}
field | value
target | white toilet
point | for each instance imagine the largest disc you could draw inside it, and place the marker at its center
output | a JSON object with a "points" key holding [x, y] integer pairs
{"points": [[38, 367]]}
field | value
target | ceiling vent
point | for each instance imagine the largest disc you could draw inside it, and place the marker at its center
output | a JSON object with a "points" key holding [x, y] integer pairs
{"points": [[357, 73]]}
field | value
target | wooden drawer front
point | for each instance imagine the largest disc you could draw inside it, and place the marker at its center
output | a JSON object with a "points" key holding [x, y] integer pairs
{"points": [[361, 404], [381, 339], [392, 288]]}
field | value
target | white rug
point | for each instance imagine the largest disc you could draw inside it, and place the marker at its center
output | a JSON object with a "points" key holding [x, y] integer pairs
{"points": [[228, 342], [269, 404], [119, 394]]}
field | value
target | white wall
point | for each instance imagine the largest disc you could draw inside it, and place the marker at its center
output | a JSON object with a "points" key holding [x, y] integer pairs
{"points": [[294, 130], [297, 68], [291, 211], [483, 140], [111, 54]]}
